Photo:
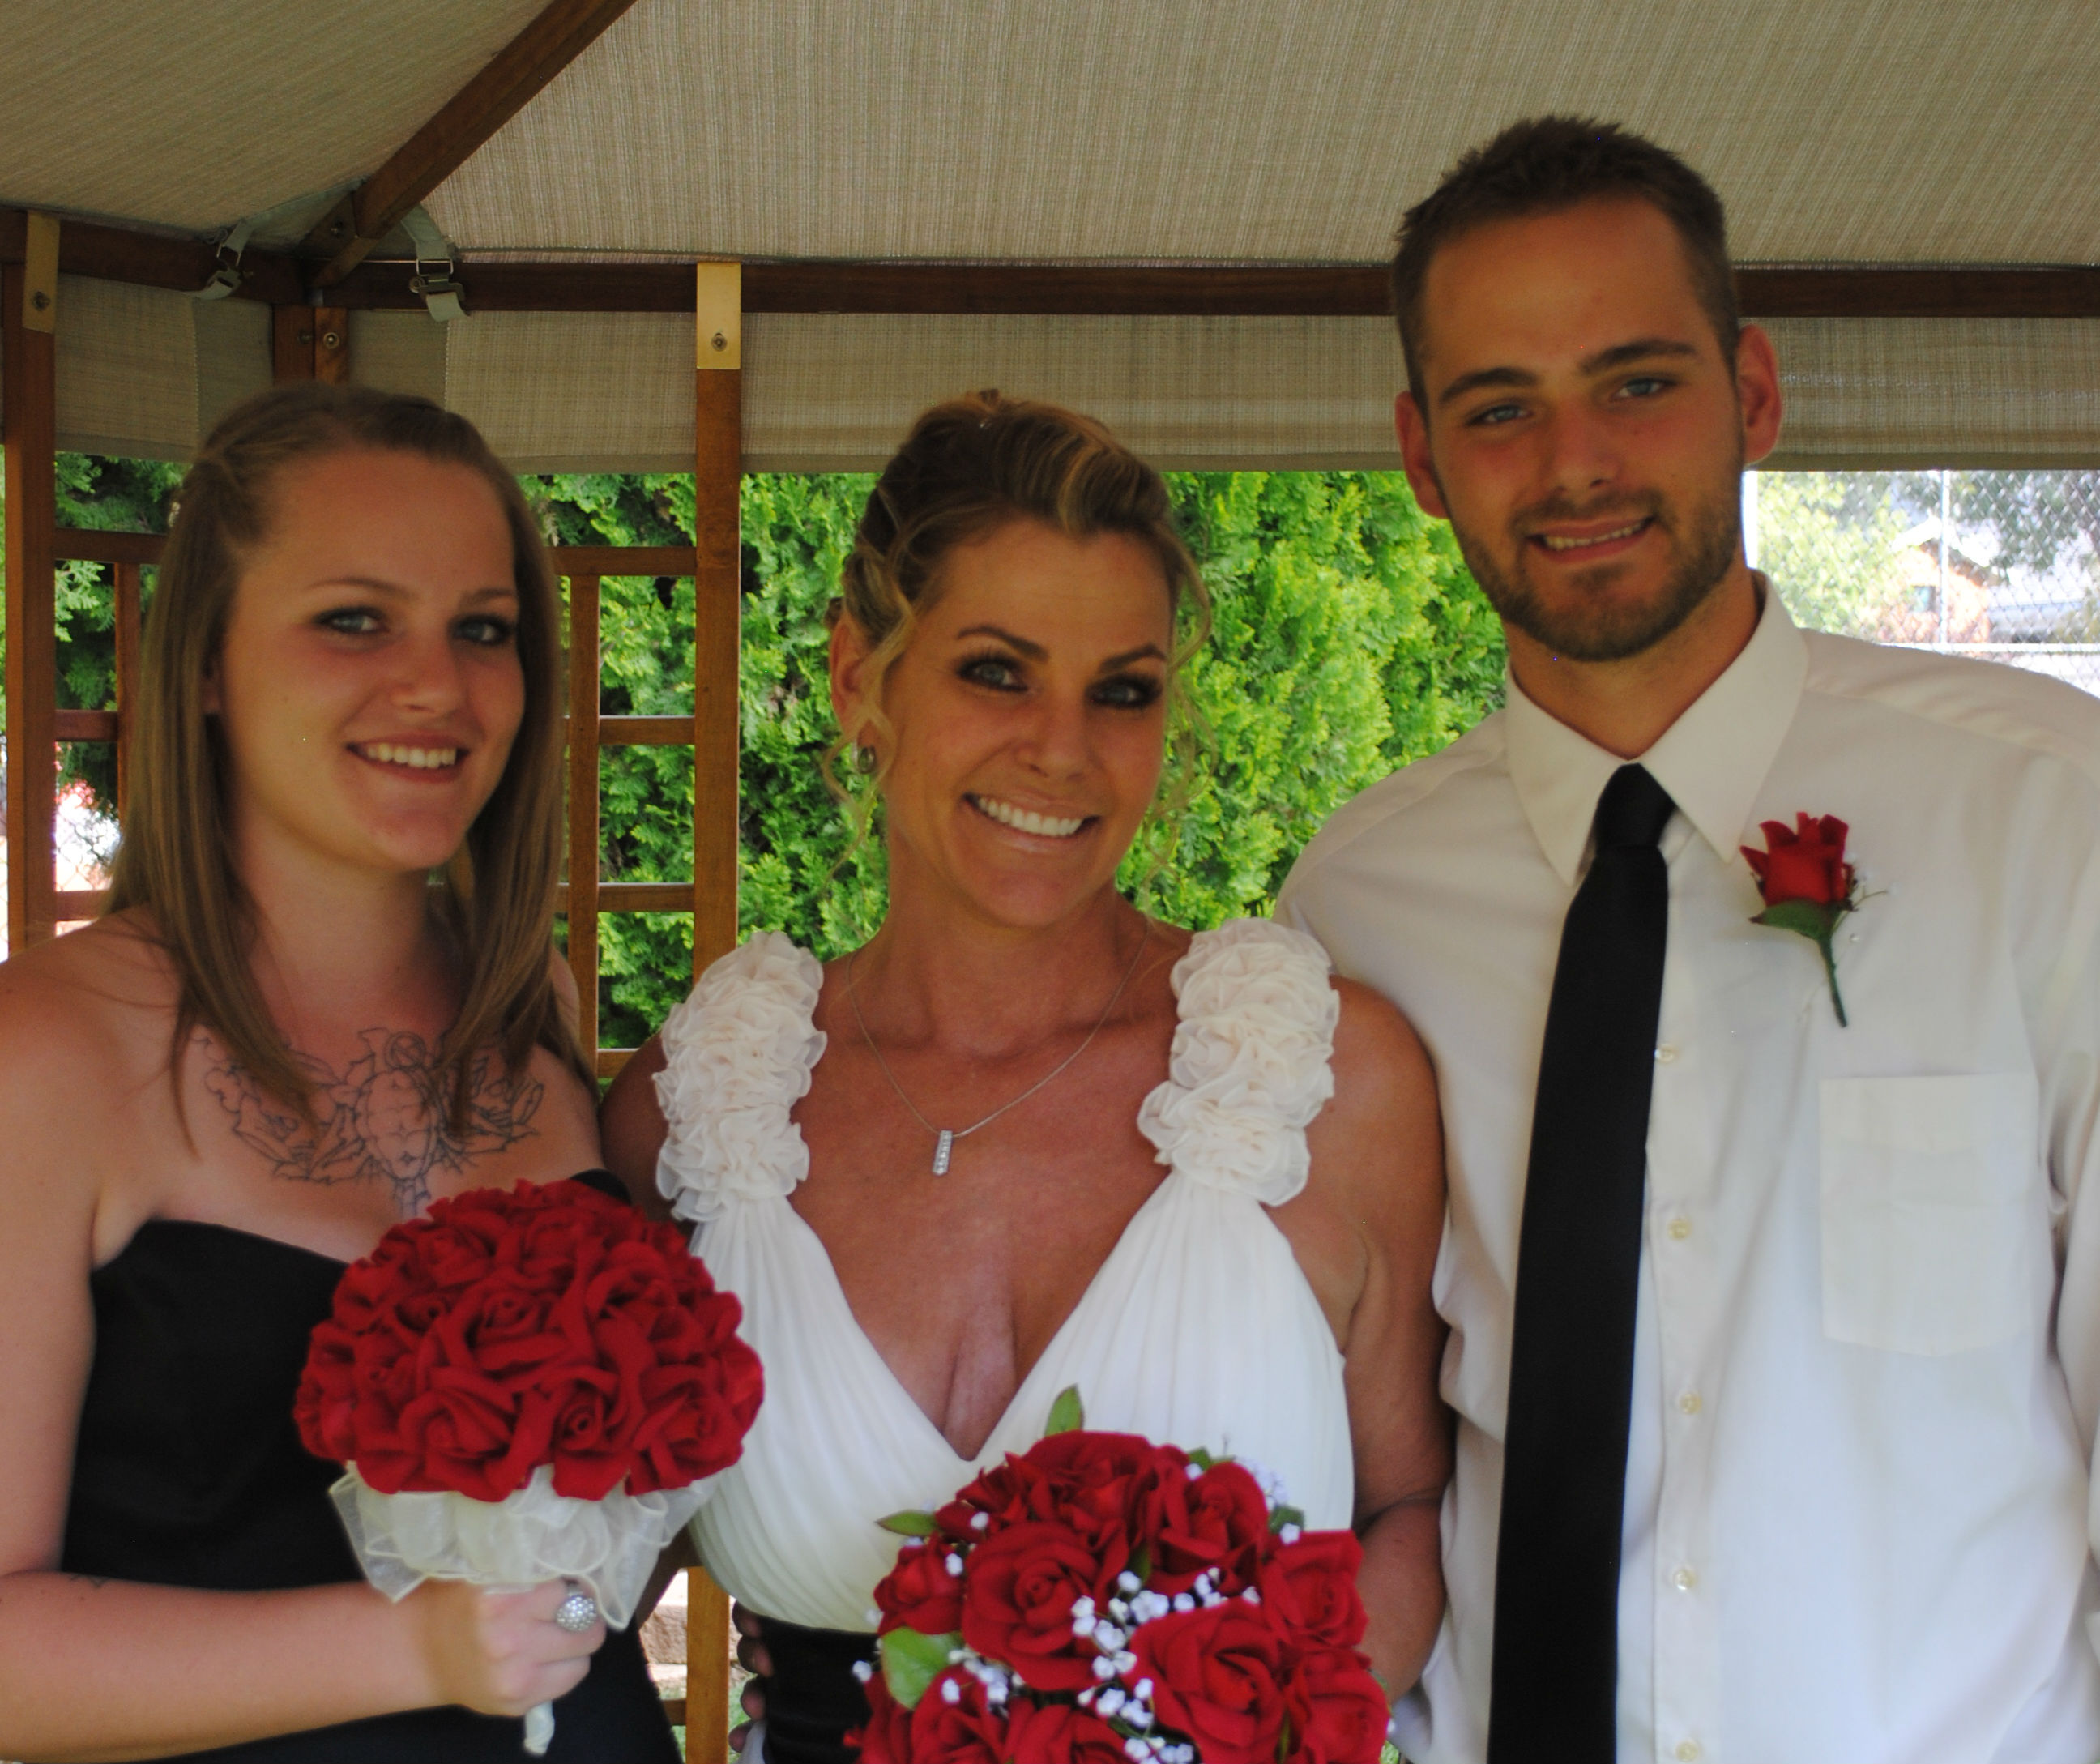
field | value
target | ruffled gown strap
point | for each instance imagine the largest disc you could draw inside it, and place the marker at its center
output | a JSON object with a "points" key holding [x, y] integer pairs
{"points": [[1252, 1063], [737, 1056]]}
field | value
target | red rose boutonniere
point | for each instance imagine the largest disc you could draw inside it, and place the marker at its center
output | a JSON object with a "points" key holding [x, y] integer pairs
{"points": [[1807, 886]]}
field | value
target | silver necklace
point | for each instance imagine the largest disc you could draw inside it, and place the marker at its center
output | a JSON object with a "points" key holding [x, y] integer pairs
{"points": [[945, 1138]]}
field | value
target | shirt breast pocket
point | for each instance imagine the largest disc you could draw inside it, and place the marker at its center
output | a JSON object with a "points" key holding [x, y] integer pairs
{"points": [[1931, 1224]]}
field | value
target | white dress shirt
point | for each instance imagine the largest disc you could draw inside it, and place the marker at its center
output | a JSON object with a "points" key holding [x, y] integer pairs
{"points": [[1867, 1374]]}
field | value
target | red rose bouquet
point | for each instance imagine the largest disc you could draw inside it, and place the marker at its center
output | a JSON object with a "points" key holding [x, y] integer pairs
{"points": [[1100, 1599], [523, 1387]]}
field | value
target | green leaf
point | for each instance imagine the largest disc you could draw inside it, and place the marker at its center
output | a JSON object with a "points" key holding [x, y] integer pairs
{"points": [[1067, 1415], [1811, 921], [910, 1524], [1140, 1562], [1286, 1515], [1203, 1459], [911, 1661]]}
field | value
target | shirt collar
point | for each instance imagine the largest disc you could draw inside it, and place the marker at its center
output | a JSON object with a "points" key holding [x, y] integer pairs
{"points": [[1713, 760]]}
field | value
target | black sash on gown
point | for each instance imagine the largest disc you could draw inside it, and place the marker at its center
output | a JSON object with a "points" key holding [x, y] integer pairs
{"points": [[813, 1698], [189, 1472]]}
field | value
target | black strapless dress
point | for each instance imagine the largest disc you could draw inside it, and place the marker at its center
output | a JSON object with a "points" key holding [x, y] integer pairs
{"points": [[189, 1472]]}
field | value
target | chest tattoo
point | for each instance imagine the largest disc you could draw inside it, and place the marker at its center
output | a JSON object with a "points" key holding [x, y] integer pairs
{"points": [[383, 1118]]}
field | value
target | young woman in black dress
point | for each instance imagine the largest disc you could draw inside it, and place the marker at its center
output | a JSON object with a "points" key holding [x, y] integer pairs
{"points": [[324, 996]]}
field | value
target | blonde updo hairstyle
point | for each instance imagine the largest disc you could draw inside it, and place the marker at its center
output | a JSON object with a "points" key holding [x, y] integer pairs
{"points": [[968, 467]]}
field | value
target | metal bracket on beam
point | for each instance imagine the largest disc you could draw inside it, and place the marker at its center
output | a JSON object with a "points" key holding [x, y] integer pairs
{"points": [[441, 291], [225, 278]]}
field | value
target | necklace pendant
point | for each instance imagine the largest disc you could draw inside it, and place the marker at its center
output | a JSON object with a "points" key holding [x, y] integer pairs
{"points": [[943, 1148]]}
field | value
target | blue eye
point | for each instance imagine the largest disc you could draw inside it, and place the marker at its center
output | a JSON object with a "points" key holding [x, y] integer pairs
{"points": [[995, 671], [486, 631], [1495, 415], [351, 621], [1646, 385], [1127, 692]]}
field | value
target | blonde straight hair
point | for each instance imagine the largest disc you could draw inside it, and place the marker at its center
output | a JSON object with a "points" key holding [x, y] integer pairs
{"points": [[175, 858]]}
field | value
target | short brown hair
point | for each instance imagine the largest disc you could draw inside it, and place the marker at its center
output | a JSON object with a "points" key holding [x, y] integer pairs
{"points": [[1544, 165], [175, 855], [974, 464]]}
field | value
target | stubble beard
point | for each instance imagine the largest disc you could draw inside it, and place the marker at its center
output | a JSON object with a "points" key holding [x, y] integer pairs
{"points": [[1584, 625]]}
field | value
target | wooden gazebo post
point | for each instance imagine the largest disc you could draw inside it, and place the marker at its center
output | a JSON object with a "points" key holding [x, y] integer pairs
{"points": [[717, 580], [28, 292]]}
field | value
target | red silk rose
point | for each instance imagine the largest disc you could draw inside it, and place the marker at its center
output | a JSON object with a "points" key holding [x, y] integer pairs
{"points": [[543, 1326], [1100, 1599], [1807, 886], [1311, 1587], [886, 1739], [1056, 1733], [1089, 1482], [1337, 1710], [1215, 1524], [1018, 1590], [1218, 1676], [919, 1593], [1806, 863], [957, 1728]]}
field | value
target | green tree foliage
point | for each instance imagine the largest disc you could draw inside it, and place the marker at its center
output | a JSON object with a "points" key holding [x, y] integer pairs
{"points": [[1349, 639], [103, 496], [1830, 542]]}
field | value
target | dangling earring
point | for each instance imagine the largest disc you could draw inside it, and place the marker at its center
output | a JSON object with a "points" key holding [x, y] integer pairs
{"points": [[864, 761]]}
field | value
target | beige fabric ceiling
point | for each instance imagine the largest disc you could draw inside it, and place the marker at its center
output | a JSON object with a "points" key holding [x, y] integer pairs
{"points": [[1848, 130], [1189, 130], [1286, 130]]}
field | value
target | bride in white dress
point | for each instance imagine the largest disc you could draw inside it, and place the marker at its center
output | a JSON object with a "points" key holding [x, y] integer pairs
{"points": [[1027, 1137]]}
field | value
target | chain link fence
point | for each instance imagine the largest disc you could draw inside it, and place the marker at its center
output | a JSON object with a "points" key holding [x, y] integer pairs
{"points": [[2003, 565]]}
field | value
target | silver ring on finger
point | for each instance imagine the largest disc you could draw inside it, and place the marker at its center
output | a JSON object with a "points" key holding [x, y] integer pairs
{"points": [[578, 1613]]}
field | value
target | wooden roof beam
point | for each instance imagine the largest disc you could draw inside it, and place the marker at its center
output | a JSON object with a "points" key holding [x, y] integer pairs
{"points": [[1346, 290], [521, 70]]}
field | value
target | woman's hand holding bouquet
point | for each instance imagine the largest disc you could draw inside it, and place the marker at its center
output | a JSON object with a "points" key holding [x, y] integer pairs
{"points": [[1100, 1599], [525, 1387]]}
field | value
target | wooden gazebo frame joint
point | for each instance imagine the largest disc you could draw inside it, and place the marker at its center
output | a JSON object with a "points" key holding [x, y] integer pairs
{"points": [[348, 232]]}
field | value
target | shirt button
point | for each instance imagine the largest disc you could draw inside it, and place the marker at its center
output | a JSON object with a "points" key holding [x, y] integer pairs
{"points": [[1687, 1750], [1680, 1228], [1689, 1402], [1665, 1054], [1684, 1579]]}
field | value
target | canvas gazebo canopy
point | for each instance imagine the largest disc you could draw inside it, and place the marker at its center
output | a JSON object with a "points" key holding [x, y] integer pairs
{"points": [[1259, 151]]}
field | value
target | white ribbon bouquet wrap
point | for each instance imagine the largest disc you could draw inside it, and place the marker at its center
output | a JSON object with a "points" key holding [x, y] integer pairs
{"points": [[530, 1536], [526, 1387]]}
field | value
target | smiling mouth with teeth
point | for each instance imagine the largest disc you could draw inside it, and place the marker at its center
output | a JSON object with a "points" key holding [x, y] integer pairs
{"points": [[1026, 820], [415, 759], [1554, 542]]}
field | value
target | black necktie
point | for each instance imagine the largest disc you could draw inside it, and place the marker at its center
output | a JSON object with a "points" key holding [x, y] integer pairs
{"points": [[1555, 1672]]}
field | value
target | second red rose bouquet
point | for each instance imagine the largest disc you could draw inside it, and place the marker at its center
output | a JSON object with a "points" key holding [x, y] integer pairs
{"points": [[526, 1386], [1100, 1599]]}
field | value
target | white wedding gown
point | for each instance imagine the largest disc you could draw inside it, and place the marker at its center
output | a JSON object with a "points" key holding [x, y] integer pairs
{"points": [[1199, 1329]]}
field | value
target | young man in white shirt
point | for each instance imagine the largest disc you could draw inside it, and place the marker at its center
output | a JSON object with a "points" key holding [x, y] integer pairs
{"points": [[1863, 1268]]}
